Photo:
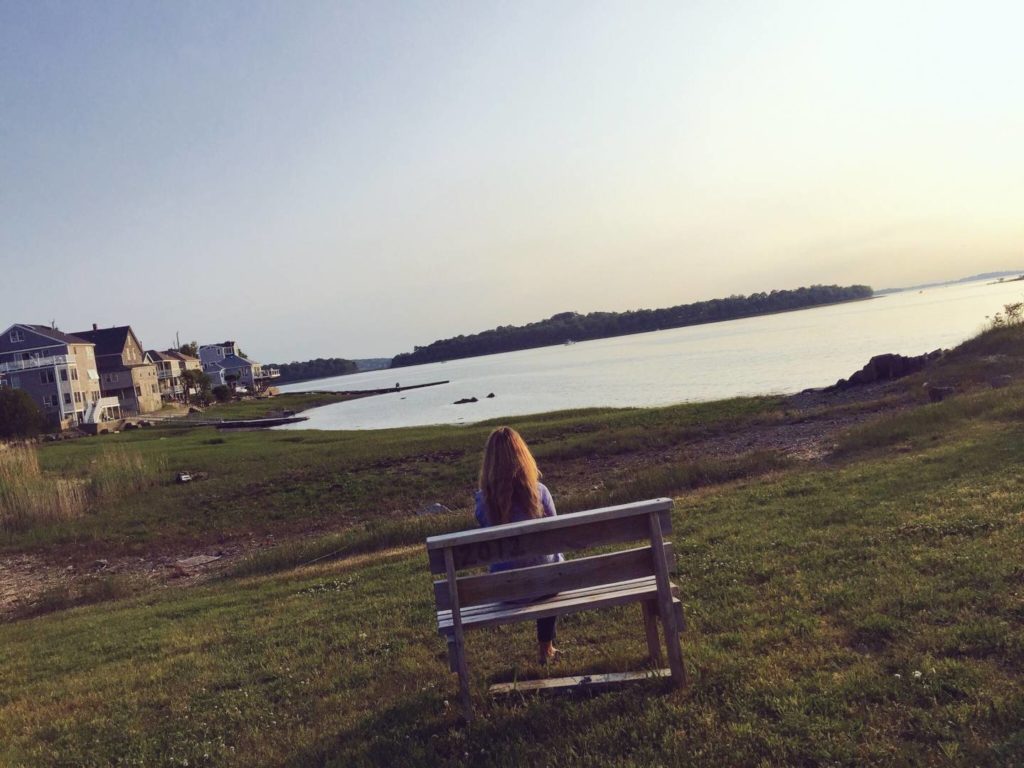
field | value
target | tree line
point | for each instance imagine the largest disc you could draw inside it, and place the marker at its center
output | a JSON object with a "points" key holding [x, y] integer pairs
{"points": [[320, 368], [572, 326]]}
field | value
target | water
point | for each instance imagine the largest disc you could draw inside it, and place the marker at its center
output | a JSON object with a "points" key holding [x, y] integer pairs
{"points": [[754, 356]]}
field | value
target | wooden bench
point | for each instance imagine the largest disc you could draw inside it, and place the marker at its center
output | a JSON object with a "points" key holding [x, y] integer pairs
{"points": [[639, 575]]}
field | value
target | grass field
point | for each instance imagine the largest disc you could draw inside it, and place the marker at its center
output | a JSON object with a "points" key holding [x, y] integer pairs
{"points": [[864, 610]]}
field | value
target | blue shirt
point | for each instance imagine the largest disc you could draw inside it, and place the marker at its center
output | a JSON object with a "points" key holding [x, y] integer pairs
{"points": [[547, 505]]}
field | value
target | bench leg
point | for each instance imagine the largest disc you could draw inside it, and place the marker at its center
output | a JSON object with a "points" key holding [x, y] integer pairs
{"points": [[453, 659], [463, 669], [650, 610]]}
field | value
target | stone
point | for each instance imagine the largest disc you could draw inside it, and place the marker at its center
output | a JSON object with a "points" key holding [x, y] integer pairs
{"points": [[433, 509], [938, 394]]}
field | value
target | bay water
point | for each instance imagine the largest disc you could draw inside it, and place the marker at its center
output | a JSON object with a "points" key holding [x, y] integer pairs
{"points": [[772, 354]]}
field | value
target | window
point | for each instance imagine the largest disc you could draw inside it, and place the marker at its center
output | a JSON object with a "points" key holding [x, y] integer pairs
{"points": [[78, 397], [16, 335], [50, 401], [153, 386], [63, 374], [74, 374], [46, 377], [67, 398], [15, 381], [138, 391]]}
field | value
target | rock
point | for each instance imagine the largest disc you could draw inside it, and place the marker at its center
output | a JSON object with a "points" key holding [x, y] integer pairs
{"points": [[465, 400], [998, 382], [490, 396], [887, 367], [195, 562], [938, 394], [100, 564], [433, 509]]}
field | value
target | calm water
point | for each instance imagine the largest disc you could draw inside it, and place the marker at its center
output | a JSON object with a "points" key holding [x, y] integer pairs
{"points": [[762, 355]]}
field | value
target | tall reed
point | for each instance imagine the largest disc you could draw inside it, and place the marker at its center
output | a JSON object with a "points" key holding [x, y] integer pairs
{"points": [[27, 497], [117, 472]]}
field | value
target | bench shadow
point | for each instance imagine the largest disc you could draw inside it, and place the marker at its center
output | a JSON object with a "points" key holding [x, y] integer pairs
{"points": [[426, 728]]}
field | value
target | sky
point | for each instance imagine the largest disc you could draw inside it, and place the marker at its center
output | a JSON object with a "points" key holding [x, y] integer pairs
{"points": [[333, 179]]}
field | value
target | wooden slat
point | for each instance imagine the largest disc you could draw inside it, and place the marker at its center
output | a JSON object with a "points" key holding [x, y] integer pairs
{"points": [[474, 610], [608, 525], [506, 613], [545, 540], [540, 580], [578, 683]]}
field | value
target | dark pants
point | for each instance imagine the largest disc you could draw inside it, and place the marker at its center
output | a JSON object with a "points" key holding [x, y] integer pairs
{"points": [[546, 629]]}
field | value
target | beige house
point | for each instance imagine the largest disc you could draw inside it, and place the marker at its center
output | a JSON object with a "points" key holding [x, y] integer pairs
{"points": [[57, 370], [170, 365], [124, 372]]}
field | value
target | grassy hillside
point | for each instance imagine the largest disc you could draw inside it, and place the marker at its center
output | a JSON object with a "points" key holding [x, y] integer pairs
{"points": [[862, 610]]}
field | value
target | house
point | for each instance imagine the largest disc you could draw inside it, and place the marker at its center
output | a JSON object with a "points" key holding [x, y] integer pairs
{"points": [[124, 372], [224, 365], [58, 371], [170, 365]]}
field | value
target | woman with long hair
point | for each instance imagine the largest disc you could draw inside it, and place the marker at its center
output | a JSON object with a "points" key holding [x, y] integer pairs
{"points": [[511, 491]]}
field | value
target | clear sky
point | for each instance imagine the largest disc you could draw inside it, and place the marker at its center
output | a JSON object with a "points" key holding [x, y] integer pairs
{"points": [[351, 179]]}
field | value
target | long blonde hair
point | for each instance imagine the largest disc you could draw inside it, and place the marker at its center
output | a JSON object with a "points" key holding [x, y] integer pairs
{"points": [[509, 477]]}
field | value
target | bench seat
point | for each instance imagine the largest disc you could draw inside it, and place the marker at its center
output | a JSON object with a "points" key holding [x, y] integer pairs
{"points": [[570, 601]]}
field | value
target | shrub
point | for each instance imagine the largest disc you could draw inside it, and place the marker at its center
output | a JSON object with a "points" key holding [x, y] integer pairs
{"points": [[222, 393], [19, 415]]}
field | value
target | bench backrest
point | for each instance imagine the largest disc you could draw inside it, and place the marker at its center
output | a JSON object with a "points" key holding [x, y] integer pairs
{"points": [[580, 530]]}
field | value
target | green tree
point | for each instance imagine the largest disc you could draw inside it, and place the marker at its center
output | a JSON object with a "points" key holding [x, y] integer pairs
{"points": [[191, 349], [198, 381], [222, 393], [19, 415]]}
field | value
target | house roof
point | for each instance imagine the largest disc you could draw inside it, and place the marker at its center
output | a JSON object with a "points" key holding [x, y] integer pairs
{"points": [[56, 335], [171, 354], [108, 341], [176, 355], [236, 361]]}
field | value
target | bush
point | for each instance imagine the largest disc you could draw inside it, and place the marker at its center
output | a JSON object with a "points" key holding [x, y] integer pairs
{"points": [[19, 415], [222, 393]]}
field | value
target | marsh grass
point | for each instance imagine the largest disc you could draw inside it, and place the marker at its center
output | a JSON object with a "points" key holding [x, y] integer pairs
{"points": [[28, 497], [117, 472], [32, 498]]}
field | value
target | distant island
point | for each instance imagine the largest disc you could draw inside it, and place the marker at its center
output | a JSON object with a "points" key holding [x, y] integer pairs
{"points": [[1017, 274], [572, 326]]}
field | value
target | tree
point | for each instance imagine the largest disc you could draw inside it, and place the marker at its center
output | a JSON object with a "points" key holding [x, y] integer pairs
{"points": [[222, 393], [191, 349], [19, 415], [198, 381]]}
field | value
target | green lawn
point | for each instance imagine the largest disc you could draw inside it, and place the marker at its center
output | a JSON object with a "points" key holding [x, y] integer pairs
{"points": [[869, 611]]}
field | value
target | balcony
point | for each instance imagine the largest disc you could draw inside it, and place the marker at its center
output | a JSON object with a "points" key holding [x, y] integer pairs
{"points": [[35, 363], [268, 373]]}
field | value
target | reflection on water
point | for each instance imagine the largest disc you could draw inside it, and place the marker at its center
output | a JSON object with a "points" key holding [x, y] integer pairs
{"points": [[761, 355]]}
